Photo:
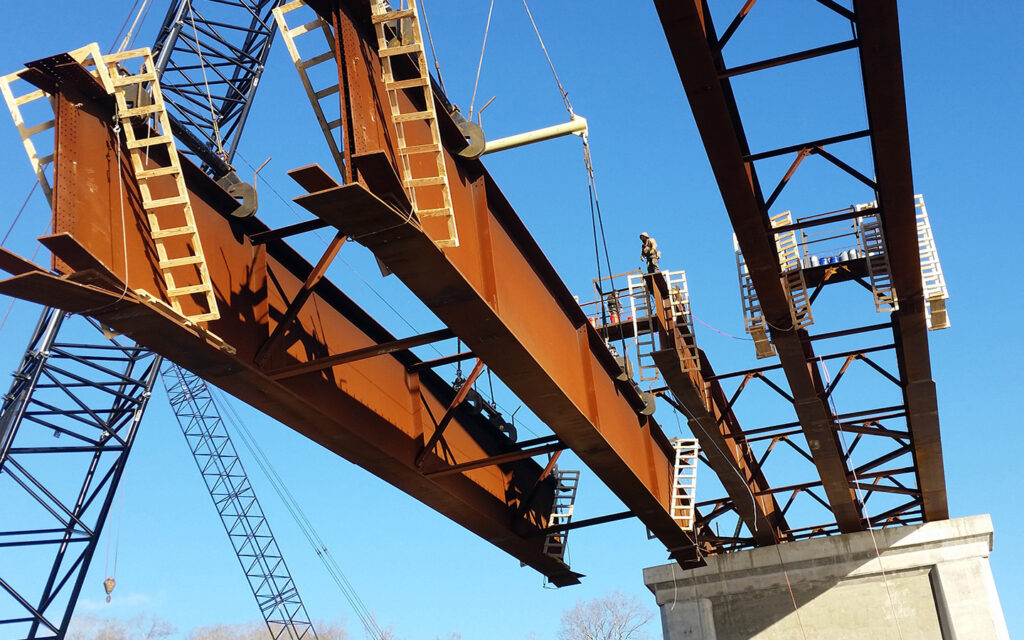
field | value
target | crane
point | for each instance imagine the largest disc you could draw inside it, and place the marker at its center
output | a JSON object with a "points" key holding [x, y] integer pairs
{"points": [[93, 390]]}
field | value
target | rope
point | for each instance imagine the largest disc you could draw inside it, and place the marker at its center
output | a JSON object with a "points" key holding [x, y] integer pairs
{"points": [[299, 516], [20, 211], [430, 39], [561, 89], [127, 19], [727, 335], [480, 64], [206, 83], [129, 37], [860, 497]]}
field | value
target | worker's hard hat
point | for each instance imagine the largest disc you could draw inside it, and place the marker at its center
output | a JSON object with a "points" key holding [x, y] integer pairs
{"points": [[645, 235]]}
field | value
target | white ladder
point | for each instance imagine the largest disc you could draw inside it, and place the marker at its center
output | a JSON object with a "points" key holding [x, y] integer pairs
{"points": [[641, 309], [753, 319], [332, 129], [788, 248], [31, 135], [684, 482], [566, 483], [679, 308], [398, 34], [873, 241], [932, 280], [172, 225]]}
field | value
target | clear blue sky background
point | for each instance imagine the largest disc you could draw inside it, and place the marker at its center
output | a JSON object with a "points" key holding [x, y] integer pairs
{"points": [[422, 573]]}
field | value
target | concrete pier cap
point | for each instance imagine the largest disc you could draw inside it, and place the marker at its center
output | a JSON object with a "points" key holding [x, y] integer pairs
{"points": [[926, 581]]}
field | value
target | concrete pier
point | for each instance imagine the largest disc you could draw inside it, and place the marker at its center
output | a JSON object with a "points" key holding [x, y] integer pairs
{"points": [[930, 581]]}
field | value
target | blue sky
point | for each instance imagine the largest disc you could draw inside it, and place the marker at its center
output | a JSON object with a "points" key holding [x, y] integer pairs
{"points": [[415, 569]]}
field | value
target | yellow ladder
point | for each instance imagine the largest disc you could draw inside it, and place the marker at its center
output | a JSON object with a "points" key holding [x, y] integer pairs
{"points": [[331, 129], [88, 56], [172, 225], [684, 482], [788, 248], [398, 34]]}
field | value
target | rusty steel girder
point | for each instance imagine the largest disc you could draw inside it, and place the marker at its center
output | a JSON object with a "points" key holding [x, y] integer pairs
{"points": [[497, 291], [376, 412], [697, 50], [689, 33]]}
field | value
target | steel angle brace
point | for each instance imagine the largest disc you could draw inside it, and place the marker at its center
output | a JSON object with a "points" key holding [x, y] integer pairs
{"points": [[441, 425]]}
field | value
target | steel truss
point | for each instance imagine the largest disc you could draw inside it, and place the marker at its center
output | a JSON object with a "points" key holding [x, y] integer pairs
{"points": [[236, 503], [66, 429], [210, 55], [905, 451]]}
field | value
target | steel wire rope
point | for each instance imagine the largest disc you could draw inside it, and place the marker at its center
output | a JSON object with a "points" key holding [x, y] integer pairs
{"points": [[433, 53], [753, 500], [206, 83], [479, 64], [298, 514], [130, 36], [860, 497]]}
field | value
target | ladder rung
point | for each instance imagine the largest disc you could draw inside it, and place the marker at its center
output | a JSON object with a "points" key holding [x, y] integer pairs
{"points": [[148, 142], [405, 84], [291, 6], [203, 317], [433, 213], [29, 97], [153, 173], [123, 81], [187, 291], [160, 234], [416, 115], [165, 202], [323, 93], [312, 62], [180, 262], [141, 111], [306, 28], [393, 15], [39, 128], [420, 148], [401, 49], [425, 182]]}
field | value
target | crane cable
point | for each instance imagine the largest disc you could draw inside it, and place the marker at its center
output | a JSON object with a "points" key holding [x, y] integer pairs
{"points": [[860, 498], [299, 516], [480, 64], [206, 83]]}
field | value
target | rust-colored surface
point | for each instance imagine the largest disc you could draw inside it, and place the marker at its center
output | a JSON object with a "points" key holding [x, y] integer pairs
{"points": [[714, 424], [372, 412], [496, 291]]}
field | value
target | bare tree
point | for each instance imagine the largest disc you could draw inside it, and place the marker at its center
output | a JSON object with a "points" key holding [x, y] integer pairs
{"points": [[612, 617], [258, 631], [141, 627]]}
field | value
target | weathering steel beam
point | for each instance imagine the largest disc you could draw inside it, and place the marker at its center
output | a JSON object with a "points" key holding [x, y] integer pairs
{"points": [[373, 413], [881, 62], [496, 291], [691, 36]]}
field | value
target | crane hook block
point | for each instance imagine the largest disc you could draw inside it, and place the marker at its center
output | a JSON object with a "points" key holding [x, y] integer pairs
{"points": [[108, 586], [473, 134]]}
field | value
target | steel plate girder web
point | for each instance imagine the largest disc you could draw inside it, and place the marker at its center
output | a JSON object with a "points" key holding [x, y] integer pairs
{"points": [[690, 36], [373, 412], [497, 292], [882, 71]]}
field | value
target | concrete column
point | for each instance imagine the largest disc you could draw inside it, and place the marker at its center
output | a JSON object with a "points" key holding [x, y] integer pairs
{"points": [[926, 582]]}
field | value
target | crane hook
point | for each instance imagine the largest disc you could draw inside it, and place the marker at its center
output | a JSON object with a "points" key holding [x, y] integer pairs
{"points": [[108, 586]]}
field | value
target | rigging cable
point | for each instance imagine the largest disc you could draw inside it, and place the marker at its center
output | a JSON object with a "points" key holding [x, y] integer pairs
{"points": [[480, 64], [298, 515], [860, 497], [433, 53], [206, 83]]}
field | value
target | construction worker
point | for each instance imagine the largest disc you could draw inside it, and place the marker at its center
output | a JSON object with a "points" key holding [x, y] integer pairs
{"points": [[649, 252], [614, 308]]}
